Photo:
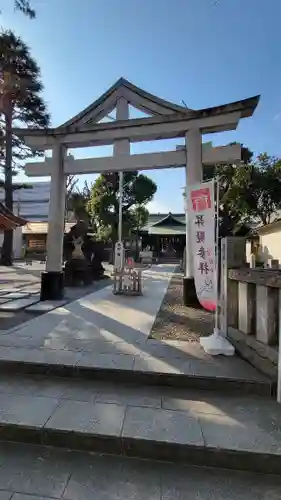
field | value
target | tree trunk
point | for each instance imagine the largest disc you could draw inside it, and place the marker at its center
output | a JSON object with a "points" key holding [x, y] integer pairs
{"points": [[7, 248]]}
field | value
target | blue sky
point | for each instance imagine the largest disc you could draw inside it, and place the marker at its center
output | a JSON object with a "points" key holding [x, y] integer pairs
{"points": [[198, 51]]}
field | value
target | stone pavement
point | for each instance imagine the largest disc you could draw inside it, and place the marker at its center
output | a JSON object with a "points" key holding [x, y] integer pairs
{"points": [[20, 293], [122, 393], [38, 473], [101, 332]]}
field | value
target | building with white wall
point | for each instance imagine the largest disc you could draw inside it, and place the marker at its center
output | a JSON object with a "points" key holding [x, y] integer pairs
{"points": [[32, 203], [270, 242]]}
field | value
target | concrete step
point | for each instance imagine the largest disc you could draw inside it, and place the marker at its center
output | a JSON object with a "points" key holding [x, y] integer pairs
{"points": [[192, 427], [169, 260], [231, 375], [37, 472]]}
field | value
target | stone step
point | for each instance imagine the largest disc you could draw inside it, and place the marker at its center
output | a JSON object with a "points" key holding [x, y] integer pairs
{"points": [[193, 427], [148, 371], [37, 473]]}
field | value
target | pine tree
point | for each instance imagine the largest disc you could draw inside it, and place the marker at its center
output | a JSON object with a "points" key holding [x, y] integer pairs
{"points": [[20, 104], [25, 7]]}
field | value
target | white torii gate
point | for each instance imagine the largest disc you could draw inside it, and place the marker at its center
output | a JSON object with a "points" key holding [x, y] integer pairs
{"points": [[167, 121]]}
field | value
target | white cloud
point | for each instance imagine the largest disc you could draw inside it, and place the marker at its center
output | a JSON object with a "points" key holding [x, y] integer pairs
{"points": [[156, 207]]}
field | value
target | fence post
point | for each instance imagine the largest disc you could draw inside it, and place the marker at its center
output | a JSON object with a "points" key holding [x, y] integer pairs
{"points": [[233, 255]]}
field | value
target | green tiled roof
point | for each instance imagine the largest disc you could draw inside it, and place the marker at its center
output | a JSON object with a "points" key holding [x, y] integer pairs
{"points": [[174, 222]]}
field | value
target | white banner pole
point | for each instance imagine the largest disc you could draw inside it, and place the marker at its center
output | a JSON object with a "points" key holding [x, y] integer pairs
{"points": [[217, 198], [217, 343]]}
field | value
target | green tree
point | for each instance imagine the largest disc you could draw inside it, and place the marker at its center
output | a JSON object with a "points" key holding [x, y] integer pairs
{"points": [[21, 102], [255, 190], [103, 206], [102, 232], [139, 215], [249, 192], [78, 199], [71, 184], [232, 221]]}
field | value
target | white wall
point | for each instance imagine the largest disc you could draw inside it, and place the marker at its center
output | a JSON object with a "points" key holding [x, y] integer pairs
{"points": [[271, 245], [32, 203]]}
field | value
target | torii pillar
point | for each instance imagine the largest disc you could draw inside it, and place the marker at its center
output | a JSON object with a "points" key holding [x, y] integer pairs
{"points": [[120, 148], [193, 175], [52, 280]]}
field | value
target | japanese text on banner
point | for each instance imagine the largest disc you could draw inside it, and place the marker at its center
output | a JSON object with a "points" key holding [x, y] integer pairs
{"points": [[201, 212]]}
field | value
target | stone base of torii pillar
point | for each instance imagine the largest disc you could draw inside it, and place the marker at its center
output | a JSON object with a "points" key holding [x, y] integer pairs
{"points": [[189, 293], [52, 285]]}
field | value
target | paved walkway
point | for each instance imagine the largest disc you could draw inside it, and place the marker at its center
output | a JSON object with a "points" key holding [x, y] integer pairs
{"points": [[105, 331], [20, 293], [37, 473]]}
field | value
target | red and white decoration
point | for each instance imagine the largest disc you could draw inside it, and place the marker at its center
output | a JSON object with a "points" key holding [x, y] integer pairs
{"points": [[202, 206], [201, 216]]}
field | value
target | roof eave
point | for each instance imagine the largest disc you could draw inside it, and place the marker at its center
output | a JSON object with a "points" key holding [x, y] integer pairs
{"points": [[162, 102], [246, 107], [7, 214]]}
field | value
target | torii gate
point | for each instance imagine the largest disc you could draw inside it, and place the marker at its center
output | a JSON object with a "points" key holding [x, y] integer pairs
{"points": [[166, 120]]}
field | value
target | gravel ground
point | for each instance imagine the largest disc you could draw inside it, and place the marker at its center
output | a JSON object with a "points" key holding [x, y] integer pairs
{"points": [[175, 321]]}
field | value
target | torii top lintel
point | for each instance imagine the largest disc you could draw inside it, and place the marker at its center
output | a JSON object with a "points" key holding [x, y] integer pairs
{"points": [[168, 120]]}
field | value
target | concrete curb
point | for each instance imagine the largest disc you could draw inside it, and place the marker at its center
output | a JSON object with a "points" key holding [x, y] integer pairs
{"points": [[144, 448], [230, 386]]}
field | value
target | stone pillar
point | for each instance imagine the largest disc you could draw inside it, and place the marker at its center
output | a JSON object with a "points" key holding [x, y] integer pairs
{"points": [[52, 279], [246, 307], [232, 303], [121, 147], [266, 314], [194, 175], [233, 255]]}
